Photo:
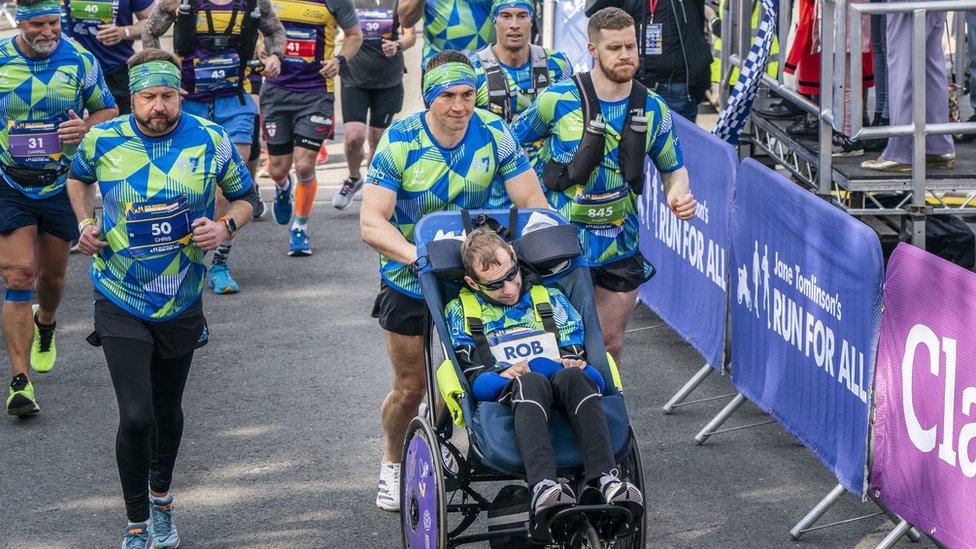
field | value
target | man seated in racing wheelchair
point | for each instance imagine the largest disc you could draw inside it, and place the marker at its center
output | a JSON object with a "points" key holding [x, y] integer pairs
{"points": [[528, 352]]}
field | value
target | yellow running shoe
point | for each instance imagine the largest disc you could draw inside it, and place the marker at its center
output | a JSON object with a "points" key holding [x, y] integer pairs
{"points": [[20, 398], [44, 349]]}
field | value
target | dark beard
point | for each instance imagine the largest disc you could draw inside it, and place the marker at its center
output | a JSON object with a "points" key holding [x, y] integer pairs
{"points": [[157, 125]]}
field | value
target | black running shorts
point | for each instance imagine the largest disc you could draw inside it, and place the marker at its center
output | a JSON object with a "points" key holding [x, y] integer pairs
{"points": [[399, 313], [624, 275]]}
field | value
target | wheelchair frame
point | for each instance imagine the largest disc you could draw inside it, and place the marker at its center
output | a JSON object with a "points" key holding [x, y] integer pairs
{"points": [[425, 517]]}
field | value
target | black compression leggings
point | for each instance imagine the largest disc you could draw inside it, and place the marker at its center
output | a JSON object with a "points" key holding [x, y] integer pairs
{"points": [[149, 389]]}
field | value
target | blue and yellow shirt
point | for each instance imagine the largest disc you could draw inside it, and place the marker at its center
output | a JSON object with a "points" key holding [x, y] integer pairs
{"points": [[35, 97], [557, 117], [153, 189], [430, 178]]}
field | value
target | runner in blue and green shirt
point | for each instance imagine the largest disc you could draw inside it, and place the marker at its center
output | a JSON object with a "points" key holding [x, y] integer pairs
{"points": [[448, 157], [51, 92], [604, 204], [158, 171], [461, 25]]}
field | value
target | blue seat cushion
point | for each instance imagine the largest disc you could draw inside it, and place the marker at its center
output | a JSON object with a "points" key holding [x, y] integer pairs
{"points": [[494, 431]]}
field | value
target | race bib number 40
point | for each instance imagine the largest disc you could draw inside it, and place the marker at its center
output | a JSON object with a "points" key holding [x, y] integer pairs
{"points": [[158, 228], [515, 348], [89, 10]]}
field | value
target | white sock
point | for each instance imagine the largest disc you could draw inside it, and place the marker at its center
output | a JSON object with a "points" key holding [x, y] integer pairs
{"points": [[303, 225]]}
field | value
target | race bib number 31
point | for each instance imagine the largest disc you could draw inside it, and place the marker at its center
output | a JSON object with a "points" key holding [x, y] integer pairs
{"points": [[33, 140], [158, 228]]}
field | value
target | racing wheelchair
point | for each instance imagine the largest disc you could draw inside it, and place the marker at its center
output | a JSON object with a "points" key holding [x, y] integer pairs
{"points": [[440, 503]]}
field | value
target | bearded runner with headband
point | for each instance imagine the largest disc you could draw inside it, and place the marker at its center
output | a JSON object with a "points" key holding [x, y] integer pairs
{"points": [[298, 106], [157, 170], [446, 158], [47, 83], [599, 128]]}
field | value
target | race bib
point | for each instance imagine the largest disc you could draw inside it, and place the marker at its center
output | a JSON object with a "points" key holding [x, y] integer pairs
{"points": [[600, 210], [376, 24], [217, 72], [34, 141], [158, 228], [654, 39], [90, 10], [513, 348], [300, 45]]}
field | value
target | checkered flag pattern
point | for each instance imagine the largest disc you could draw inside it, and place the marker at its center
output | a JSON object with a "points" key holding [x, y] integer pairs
{"points": [[736, 112]]}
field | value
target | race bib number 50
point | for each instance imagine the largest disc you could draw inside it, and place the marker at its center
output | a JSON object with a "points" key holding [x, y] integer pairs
{"points": [[157, 228]]}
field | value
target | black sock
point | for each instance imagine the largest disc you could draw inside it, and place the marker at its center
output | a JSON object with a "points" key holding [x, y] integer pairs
{"points": [[221, 253], [45, 327], [19, 382]]}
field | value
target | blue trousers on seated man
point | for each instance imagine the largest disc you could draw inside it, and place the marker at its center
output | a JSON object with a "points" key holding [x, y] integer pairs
{"points": [[522, 345]]}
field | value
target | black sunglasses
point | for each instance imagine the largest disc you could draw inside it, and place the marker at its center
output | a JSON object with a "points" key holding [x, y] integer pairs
{"points": [[497, 285]]}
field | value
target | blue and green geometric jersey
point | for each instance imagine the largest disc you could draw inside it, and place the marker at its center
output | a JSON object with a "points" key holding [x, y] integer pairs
{"points": [[427, 177], [462, 25], [35, 97], [153, 188], [520, 79], [502, 321], [610, 233]]}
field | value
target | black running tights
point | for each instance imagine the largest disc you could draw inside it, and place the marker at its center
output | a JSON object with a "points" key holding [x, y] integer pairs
{"points": [[149, 389]]}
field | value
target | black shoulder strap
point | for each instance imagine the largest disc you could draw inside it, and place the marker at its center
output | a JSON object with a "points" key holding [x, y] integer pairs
{"points": [[543, 307], [540, 68], [637, 103], [466, 221], [513, 231], [588, 98], [499, 96], [249, 31], [185, 29]]}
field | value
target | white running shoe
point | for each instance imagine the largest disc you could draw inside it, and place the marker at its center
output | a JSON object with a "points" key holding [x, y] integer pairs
{"points": [[388, 495]]}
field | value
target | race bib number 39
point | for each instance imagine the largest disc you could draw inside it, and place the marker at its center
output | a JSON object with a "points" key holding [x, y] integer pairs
{"points": [[158, 228], [525, 346], [376, 24]]}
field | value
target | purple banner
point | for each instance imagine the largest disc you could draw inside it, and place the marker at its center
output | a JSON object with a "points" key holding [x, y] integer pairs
{"points": [[925, 397], [689, 290]]}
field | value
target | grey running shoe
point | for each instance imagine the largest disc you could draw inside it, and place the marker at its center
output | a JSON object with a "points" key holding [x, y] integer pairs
{"points": [[343, 198]]}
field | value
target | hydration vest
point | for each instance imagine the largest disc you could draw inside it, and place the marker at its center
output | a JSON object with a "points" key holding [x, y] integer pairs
{"points": [[475, 327], [559, 176], [499, 90], [187, 40]]}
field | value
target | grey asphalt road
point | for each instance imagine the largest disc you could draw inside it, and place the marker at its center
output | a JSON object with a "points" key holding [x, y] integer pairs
{"points": [[282, 441]]}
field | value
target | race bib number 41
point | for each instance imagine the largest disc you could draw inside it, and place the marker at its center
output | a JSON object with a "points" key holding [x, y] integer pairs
{"points": [[525, 346]]}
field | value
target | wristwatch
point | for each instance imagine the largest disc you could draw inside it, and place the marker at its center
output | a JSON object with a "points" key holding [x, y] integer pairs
{"points": [[399, 46], [125, 30], [342, 61], [229, 224]]}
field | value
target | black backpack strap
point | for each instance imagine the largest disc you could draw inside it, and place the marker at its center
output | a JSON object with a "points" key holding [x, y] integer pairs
{"points": [[588, 99], [185, 29], [634, 139], [466, 221], [499, 95], [543, 308], [540, 69], [249, 32]]}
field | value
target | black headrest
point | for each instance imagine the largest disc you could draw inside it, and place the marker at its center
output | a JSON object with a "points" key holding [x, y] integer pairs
{"points": [[548, 251]]}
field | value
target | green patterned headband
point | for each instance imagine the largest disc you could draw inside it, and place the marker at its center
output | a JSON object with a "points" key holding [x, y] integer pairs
{"points": [[445, 76], [154, 73], [37, 9]]}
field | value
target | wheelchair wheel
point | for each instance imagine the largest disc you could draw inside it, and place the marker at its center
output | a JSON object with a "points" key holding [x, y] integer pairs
{"points": [[585, 537], [423, 508], [631, 470]]}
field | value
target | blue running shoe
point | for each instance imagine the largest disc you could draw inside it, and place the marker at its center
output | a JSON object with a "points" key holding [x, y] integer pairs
{"points": [[282, 202], [136, 536], [221, 281], [298, 244], [162, 529]]}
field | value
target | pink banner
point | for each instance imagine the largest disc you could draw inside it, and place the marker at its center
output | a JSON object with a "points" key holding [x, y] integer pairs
{"points": [[925, 390]]}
